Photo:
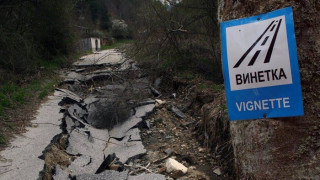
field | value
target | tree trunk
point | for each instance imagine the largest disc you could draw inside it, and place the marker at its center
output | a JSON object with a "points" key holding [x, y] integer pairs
{"points": [[284, 148]]}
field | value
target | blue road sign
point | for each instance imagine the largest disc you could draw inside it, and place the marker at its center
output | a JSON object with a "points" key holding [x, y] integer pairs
{"points": [[260, 66]]}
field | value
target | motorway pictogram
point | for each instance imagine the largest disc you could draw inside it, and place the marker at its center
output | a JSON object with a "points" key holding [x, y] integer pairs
{"points": [[264, 36]]}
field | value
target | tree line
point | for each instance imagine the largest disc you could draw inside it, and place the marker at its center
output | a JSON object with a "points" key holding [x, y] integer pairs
{"points": [[183, 35], [33, 31]]}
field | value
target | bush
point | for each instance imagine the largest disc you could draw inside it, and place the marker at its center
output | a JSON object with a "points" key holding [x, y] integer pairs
{"points": [[187, 34], [32, 30], [120, 29]]}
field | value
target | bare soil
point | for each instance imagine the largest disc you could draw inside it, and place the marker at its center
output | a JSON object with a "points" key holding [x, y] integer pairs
{"points": [[168, 132], [191, 145]]}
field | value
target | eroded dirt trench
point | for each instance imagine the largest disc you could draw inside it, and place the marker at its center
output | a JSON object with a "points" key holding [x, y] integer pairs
{"points": [[115, 125]]}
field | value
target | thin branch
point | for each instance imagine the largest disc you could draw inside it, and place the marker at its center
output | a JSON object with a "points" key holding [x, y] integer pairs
{"points": [[137, 166]]}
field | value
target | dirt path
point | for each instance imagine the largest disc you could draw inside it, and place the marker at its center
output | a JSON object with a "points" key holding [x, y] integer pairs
{"points": [[110, 126]]}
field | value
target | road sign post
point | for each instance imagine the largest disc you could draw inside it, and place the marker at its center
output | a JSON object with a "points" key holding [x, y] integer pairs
{"points": [[260, 66]]}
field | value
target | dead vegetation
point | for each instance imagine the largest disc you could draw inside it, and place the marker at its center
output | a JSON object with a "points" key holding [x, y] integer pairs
{"points": [[55, 155], [203, 138]]}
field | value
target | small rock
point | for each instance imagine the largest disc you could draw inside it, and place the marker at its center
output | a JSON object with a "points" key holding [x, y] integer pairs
{"points": [[117, 166], [157, 82], [186, 124], [155, 92], [217, 171], [176, 174], [173, 165], [146, 102], [160, 120], [173, 95], [168, 151], [80, 70], [159, 102], [202, 149], [162, 170], [148, 123], [177, 112]]}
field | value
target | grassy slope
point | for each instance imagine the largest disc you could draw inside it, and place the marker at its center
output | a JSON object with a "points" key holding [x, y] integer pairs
{"points": [[15, 96], [117, 44]]}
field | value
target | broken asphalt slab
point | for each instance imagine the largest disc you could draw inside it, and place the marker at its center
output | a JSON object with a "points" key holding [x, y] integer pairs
{"points": [[143, 111], [106, 57], [125, 149], [68, 97], [115, 175], [120, 130], [109, 175], [150, 176]]}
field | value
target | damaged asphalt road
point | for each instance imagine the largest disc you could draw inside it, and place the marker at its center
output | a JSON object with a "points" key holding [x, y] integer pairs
{"points": [[97, 126], [102, 103]]}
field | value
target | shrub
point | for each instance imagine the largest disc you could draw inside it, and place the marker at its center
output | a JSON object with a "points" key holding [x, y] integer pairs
{"points": [[120, 29]]}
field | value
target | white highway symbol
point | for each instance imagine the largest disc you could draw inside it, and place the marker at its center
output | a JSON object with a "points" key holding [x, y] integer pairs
{"points": [[265, 36], [258, 54]]}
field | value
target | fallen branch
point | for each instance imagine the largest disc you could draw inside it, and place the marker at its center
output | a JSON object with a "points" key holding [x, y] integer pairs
{"points": [[162, 159], [140, 168]]}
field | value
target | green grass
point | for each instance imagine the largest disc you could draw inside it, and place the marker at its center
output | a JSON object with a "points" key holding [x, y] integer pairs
{"points": [[52, 64], [203, 86], [12, 95], [4, 100], [3, 139], [42, 87], [186, 75], [10, 125], [217, 87], [117, 44]]}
